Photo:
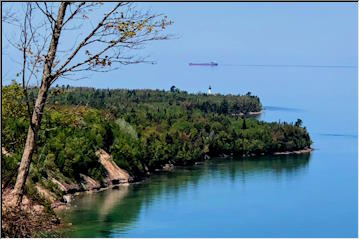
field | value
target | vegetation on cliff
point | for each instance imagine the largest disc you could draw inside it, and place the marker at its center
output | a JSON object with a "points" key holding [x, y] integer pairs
{"points": [[142, 129]]}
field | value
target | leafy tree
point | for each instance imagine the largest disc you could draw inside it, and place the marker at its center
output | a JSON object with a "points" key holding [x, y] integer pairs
{"points": [[14, 116]]}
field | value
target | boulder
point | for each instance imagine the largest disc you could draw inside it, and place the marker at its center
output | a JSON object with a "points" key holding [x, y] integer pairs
{"points": [[67, 198], [168, 167]]}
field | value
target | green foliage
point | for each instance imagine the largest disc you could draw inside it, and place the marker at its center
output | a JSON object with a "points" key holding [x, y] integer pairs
{"points": [[14, 117], [9, 166], [143, 130], [150, 101], [70, 137]]}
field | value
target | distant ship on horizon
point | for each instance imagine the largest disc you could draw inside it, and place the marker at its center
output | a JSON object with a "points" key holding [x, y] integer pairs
{"points": [[211, 64]]}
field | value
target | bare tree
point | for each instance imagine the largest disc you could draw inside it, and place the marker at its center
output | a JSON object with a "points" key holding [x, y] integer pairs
{"points": [[103, 47], [8, 16]]}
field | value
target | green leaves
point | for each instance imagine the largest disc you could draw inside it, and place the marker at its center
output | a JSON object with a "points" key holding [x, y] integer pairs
{"points": [[14, 117], [141, 130]]}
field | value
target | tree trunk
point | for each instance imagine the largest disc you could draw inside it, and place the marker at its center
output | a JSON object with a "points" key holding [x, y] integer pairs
{"points": [[46, 79], [29, 149]]}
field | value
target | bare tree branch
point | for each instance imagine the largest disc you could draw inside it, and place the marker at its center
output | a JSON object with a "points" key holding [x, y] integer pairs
{"points": [[107, 45], [74, 13], [47, 14], [83, 43], [25, 49]]}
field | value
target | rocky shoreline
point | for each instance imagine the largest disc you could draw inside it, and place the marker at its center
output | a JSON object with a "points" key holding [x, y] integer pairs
{"points": [[305, 150], [302, 151], [94, 188], [248, 114], [115, 177]]}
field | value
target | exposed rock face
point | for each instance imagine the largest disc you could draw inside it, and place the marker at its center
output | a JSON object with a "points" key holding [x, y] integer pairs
{"points": [[66, 188], [59, 184], [45, 193], [88, 183], [115, 174]]}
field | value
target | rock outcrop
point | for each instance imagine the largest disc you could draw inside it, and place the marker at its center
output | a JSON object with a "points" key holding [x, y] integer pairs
{"points": [[115, 175], [88, 183], [168, 167], [67, 198], [45, 193], [66, 188], [305, 150]]}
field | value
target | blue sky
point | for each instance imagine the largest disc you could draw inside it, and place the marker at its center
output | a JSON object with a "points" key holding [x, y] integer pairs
{"points": [[233, 33]]}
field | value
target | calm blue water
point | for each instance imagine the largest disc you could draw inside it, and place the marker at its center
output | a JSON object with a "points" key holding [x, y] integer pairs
{"points": [[295, 196]]}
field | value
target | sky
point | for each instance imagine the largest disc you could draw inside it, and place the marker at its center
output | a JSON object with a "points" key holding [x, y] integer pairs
{"points": [[231, 34]]}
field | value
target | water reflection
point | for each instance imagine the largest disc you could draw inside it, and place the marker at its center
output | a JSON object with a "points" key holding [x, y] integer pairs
{"points": [[119, 210], [338, 135], [282, 109]]}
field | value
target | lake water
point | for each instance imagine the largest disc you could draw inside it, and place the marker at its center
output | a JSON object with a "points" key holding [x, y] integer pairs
{"points": [[311, 195]]}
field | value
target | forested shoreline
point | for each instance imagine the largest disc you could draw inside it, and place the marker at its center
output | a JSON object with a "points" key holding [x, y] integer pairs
{"points": [[142, 129]]}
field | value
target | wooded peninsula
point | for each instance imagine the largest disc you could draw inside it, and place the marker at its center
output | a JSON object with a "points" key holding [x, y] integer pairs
{"points": [[86, 132]]}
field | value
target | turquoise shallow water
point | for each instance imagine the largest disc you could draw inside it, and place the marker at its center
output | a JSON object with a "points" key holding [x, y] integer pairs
{"points": [[278, 196], [289, 196]]}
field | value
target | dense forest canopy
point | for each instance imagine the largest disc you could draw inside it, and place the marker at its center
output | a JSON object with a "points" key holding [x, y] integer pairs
{"points": [[121, 100], [142, 129]]}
